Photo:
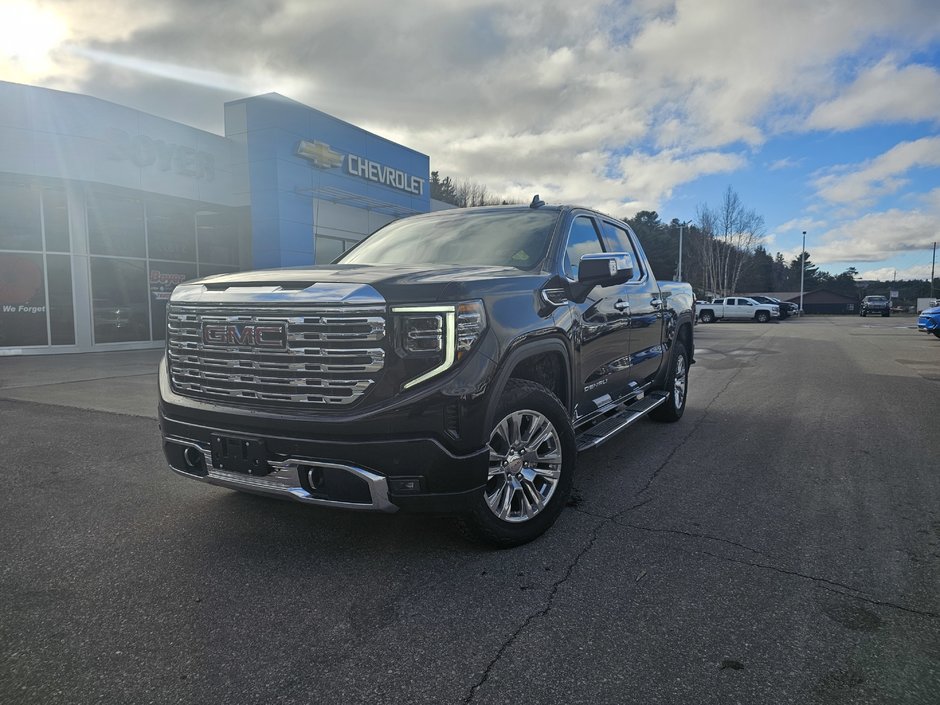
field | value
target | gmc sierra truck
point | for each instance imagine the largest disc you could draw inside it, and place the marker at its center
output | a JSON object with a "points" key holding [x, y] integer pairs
{"points": [[454, 362], [737, 308]]}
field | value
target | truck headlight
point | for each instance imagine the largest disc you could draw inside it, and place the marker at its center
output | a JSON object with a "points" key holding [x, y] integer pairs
{"points": [[444, 333]]}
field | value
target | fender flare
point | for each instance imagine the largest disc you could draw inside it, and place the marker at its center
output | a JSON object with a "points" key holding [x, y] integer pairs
{"points": [[520, 353]]}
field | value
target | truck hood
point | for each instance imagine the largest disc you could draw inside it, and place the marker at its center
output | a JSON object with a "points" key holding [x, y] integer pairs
{"points": [[351, 282]]}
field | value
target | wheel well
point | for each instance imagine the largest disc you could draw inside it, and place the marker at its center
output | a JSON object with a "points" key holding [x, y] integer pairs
{"points": [[684, 335], [548, 369]]}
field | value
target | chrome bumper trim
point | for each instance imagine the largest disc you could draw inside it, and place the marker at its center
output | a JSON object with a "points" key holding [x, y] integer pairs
{"points": [[283, 482]]}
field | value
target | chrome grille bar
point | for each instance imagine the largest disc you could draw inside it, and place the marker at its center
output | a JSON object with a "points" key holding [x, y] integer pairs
{"points": [[337, 373]]}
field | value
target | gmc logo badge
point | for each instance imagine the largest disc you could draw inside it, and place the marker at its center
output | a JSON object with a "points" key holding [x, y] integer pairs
{"points": [[250, 335]]}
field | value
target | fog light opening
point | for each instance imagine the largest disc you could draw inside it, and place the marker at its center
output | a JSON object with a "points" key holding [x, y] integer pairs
{"points": [[193, 457], [315, 478]]}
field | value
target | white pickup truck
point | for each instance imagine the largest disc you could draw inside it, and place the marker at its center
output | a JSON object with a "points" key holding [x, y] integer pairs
{"points": [[737, 308]]}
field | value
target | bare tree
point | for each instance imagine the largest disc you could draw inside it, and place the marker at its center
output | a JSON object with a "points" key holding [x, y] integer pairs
{"points": [[729, 236]]}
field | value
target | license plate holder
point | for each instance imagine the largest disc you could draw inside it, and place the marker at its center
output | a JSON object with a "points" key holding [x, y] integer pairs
{"points": [[238, 454]]}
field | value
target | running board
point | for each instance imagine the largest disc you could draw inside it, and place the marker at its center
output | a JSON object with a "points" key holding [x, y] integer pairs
{"points": [[629, 415]]}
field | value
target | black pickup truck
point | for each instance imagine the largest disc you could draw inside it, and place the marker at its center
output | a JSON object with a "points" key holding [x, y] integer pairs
{"points": [[453, 362]]}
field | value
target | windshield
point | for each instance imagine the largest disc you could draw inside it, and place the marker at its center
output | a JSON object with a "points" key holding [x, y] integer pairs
{"points": [[515, 238], [876, 299]]}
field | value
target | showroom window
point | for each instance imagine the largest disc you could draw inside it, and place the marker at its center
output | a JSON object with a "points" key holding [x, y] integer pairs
{"points": [[217, 237], [20, 227], [115, 226], [55, 219], [119, 300], [329, 248], [163, 278], [22, 300], [171, 231]]}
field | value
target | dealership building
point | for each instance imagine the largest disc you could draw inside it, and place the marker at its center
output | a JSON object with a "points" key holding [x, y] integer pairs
{"points": [[104, 209]]}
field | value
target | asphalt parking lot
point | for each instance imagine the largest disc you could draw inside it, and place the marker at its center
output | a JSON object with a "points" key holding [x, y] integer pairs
{"points": [[780, 544]]}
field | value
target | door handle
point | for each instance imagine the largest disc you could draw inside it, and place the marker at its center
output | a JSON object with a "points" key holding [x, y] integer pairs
{"points": [[622, 305]]}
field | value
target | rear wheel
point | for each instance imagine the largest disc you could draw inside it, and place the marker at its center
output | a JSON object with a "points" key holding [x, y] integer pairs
{"points": [[762, 316], [532, 462], [677, 386]]}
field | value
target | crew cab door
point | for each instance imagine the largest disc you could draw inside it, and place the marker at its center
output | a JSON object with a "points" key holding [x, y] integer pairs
{"points": [[736, 308], [646, 306], [602, 325]]}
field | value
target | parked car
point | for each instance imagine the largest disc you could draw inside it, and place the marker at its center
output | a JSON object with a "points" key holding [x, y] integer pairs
{"points": [[875, 304], [929, 321], [786, 308], [738, 308]]}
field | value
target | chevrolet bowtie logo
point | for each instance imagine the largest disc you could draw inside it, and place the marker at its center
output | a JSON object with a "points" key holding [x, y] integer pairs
{"points": [[320, 154]]}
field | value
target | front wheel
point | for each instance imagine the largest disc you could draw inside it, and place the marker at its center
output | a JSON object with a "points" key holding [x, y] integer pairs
{"points": [[532, 462], [707, 317], [677, 387], [762, 316]]}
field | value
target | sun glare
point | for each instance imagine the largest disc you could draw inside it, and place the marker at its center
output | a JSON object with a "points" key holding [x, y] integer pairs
{"points": [[28, 33]]}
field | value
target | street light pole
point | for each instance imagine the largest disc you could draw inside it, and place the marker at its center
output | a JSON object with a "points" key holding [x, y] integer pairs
{"points": [[679, 272], [802, 271], [933, 265]]}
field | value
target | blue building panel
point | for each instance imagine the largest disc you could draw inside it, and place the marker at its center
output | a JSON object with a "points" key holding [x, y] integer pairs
{"points": [[319, 157]]}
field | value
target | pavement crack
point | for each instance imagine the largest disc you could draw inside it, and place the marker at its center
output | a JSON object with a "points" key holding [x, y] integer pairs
{"points": [[830, 585], [535, 615], [691, 534], [784, 571], [885, 603]]}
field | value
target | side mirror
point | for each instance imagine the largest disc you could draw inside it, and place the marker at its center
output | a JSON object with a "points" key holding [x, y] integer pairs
{"points": [[605, 269]]}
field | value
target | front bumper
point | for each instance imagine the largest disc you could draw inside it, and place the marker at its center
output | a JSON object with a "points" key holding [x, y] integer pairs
{"points": [[385, 462], [928, 324]]}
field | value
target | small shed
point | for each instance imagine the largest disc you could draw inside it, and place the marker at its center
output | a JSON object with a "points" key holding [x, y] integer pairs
{"points": [[822, 301]]}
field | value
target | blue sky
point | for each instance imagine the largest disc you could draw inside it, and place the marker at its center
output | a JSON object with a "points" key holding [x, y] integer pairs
{"points": [[823, 116]]}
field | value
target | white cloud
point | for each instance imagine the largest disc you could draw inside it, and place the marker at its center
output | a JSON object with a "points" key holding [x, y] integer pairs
{"points": [[884, 93], [886, 274], [605, 103], [885, 174], [876, 237]]}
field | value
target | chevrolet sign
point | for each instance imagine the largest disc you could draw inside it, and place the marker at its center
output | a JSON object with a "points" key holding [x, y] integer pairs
{"points": [[324, 157], [320, 154]]}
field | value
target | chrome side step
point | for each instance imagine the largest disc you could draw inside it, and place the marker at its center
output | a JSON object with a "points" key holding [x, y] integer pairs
{"points": [[629, 415]]}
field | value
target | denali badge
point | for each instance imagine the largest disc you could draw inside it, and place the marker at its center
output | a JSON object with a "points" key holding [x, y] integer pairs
{"points": [[251, 335]]}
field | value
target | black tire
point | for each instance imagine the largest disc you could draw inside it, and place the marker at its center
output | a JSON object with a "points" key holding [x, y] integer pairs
{"points": [[514, 478], [677, 385], [886, 314], [762, 316], [707, 317], [937, 333], [863, 314]]}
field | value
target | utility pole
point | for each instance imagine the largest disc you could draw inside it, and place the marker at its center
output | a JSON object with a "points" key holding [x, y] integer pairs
{"points": [[679, 271], [933, 268], [802, 271]]}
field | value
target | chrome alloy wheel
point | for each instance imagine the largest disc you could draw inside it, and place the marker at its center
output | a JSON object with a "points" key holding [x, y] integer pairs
{"points": [[678, 387], [525, 466]]}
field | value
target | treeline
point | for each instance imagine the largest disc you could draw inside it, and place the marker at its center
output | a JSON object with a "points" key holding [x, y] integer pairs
{"points": [[465, 193], [707, 250]]}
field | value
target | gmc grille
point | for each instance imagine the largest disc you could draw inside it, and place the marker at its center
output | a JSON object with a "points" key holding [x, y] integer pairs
{"points": [[332, 357]]}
